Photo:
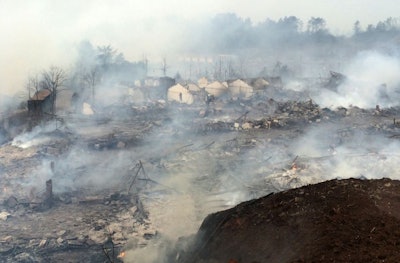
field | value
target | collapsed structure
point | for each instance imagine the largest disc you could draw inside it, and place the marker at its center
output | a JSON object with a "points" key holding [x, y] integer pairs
{"points": [[41, 102]]}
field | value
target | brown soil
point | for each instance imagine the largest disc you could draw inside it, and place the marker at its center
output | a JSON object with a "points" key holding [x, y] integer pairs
{"points": [[335, 221]]}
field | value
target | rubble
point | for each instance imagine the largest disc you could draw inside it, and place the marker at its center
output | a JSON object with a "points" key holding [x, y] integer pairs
{"points": [[60, 196], [43, 243], [4, 216]]}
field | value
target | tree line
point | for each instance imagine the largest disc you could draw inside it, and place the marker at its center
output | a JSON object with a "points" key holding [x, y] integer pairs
{"points": [[229, 32]]}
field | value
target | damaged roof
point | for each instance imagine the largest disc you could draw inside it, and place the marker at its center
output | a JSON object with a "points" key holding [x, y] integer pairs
{"points": [[41, 94]]}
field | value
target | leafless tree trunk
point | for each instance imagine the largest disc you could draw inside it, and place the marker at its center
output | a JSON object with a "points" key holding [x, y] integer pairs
{"points": [[33, 86], [53, 79], [92, 79], [106, 56], [164, 66]]}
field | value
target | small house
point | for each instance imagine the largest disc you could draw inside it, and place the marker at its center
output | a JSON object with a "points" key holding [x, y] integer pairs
{"points": [[180, 94], [239, 88], [203, 82], [258, 83], [216, 89], [41, 102], [193, 87]]}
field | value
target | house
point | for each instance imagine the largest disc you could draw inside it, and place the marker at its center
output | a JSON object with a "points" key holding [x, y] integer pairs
{"points": [[216, 89], [180, 94], [203, 82], [258, 83], [151, 82], [41, 102], [193, 87], [157, 88], [239, 88], [260, 86]]}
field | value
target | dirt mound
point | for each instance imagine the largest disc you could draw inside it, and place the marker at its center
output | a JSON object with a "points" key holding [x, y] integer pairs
{"points": [[335, 221]]}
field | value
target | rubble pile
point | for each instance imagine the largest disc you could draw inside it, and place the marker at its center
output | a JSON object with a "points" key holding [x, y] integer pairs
{"points": [[74, 224], [306, 111], [334, 221]]}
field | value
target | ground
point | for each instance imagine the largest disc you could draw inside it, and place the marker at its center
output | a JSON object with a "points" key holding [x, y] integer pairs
{"points": [[130, 178]]}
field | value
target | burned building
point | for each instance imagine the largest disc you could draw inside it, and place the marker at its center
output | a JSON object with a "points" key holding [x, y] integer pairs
{"points": [[157, 88], [165, 84], [41, 102]]}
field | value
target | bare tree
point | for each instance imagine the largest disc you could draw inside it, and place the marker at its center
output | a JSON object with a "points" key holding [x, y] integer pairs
{"points": [[52, 80], [357, 27], [316, 25], [242, 66], [92, 78], [106, 56], [33, 86]]}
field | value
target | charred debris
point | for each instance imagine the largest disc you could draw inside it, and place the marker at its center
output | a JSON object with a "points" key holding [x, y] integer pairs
{"points": [[51, 161]]}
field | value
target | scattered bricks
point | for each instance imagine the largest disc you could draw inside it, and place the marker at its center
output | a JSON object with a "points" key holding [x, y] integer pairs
{"points": [[7, 239], [60, 240], [75, 243], [247, 126], [61, 233], [43, 243]]}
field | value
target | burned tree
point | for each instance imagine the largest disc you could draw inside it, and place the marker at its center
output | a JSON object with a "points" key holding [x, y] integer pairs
{"points": [[52, 80], [105, 56], [164, 66], [33, 85], [92, 78], [35, 101]]}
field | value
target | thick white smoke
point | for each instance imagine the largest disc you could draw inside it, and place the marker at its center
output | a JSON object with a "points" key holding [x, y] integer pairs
{"points": [[372, 79]]}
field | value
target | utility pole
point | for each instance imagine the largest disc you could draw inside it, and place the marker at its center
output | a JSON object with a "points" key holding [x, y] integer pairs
{"points": [[164, 66]]}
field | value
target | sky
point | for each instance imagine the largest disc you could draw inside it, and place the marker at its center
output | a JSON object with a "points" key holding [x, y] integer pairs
{"points": [[38, 33]]}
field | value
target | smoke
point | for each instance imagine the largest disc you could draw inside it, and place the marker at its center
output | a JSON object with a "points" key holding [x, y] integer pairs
{"points": [[330, 152], [35, 137], [47, 33], [200, 173], [38, 35], [372, 79]]}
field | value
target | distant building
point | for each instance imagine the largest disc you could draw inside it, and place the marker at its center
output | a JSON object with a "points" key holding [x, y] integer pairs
{"points": [[216, 88], [258, 83], [41, 102], [180, 94], [203, 82], [239, 88], [157, 88], [193, 87]]}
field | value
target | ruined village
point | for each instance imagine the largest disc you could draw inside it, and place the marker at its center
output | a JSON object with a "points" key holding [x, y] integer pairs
{"points": [[214, 158]]}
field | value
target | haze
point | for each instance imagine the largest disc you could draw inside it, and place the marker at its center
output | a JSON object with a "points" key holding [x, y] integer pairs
{"points": [[36, 34]]}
